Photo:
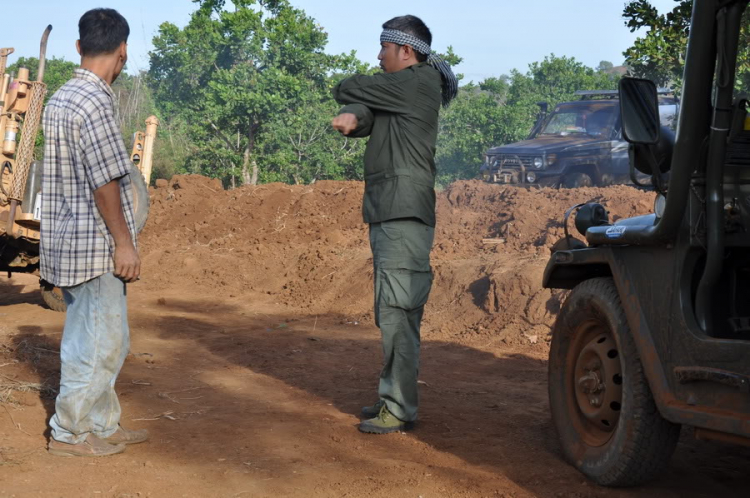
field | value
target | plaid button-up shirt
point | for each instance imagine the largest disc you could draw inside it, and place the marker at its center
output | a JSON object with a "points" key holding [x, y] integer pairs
{"points": [[83, 151]]}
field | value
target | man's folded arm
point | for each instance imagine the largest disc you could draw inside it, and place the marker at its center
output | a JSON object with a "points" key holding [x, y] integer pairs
{"points": [[387, 92], [365, 119]]}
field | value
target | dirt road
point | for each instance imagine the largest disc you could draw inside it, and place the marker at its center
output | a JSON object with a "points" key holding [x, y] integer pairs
{"points": [[253, 350]]}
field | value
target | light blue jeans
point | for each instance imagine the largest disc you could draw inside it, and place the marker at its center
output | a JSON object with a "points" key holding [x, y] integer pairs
{"points": [[95, 342]]}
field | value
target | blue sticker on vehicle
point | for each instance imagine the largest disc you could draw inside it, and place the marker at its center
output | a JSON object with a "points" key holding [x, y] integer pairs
{"points": [[615, 232]]}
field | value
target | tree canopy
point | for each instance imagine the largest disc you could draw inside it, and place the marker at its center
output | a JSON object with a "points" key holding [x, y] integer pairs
{"points": [[242, 93], [659, 55], [233, 75]]}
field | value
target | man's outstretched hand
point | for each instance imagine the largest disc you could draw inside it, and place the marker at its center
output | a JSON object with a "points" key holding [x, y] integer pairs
{"points": [[345, 123]]}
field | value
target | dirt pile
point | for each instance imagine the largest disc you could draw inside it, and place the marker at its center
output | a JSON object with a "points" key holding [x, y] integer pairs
{"points": [[307, 247]]}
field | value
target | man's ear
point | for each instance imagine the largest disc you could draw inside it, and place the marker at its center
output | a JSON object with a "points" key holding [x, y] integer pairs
{"points": [[407, 52], [78, 47], [123, 51]]}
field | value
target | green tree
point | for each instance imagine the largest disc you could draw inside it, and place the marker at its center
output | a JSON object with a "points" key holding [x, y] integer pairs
{"points": [[475, 120], [605, 67], [228, 74], [57, 71], [301, 147], [659, 55]]}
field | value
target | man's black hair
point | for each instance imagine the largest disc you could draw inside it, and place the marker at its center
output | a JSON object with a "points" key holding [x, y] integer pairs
{"points": [[101, 31], [414, 26]]}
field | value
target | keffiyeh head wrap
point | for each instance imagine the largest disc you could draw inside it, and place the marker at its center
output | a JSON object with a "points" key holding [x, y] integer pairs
{"points": [[450, 83]]}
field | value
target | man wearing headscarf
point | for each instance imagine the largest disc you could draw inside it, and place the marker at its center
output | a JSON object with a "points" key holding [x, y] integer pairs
{"points": [[398, 110]]}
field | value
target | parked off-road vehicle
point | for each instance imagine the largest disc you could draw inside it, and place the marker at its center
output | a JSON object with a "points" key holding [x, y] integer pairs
{"points": [[579, 144], [655, 333]]}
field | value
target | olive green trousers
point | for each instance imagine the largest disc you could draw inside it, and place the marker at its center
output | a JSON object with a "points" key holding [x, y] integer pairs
{"points": [[403, 278]]}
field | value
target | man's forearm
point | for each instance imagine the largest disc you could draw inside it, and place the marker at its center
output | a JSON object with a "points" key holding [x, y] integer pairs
{"points": [[365, 119], [110, 206]]}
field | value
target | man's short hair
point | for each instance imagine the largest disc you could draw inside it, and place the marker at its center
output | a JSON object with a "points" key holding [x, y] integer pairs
{"points": [[101, 31], [414, 26]]}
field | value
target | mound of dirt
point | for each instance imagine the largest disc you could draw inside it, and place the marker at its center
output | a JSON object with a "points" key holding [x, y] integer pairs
{"points": [[308, 248]]}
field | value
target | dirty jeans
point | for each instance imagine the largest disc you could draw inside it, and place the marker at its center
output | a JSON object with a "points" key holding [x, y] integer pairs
{"points": [[95, 342], [403, 278]]}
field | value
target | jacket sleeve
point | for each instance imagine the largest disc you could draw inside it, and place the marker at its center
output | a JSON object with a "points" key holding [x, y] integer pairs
{"points": [[365, 119], [385, 92]]}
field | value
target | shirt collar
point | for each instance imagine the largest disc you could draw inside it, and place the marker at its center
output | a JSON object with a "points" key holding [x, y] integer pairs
{"points": [[86, 75]]}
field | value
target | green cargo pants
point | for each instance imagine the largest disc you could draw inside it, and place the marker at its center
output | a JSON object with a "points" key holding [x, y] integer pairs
{"points": [[403, 278]]}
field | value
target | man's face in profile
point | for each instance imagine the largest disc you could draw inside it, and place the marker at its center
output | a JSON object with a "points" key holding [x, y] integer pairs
{"points": [[390, 61]]}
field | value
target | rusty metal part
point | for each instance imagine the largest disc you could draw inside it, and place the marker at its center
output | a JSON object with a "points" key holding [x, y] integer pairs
{"points": [[19, 254], [697, 374], [148, 152], [139, 143], [10, 136], [596, 382], [4, 53], [4, 83], [28, 138], [709, 435], [6, 179], [43, 53]]}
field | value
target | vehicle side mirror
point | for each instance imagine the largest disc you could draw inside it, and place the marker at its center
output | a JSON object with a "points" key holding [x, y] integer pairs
{"points": [[639, 109]]}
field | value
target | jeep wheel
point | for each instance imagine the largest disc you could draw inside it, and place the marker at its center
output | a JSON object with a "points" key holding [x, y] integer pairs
{"points": [[577, 179], [141, 200], [53, 297], [609, 426]]}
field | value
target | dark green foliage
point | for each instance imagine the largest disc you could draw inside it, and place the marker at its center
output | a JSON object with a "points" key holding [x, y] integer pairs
{"points": [[56, 73], [659, 55], [243, 94]]}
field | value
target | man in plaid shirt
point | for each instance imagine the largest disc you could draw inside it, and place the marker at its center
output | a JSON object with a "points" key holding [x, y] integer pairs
{"points": [[88, 241]]}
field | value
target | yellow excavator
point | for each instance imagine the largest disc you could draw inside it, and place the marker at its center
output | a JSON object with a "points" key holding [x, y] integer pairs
{"points": [[21, 107]]}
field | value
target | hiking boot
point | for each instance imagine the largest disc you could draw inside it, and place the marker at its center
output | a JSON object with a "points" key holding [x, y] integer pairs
{"points": [[125, 436], [384, 423], [372, 411], [92, 446]]}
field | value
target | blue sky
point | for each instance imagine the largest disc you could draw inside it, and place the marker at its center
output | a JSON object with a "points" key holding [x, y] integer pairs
{"points": [[493, 36]]}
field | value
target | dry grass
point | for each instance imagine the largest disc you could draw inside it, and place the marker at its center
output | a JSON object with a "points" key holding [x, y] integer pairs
{"points": [[43, 360], [10, 386]]}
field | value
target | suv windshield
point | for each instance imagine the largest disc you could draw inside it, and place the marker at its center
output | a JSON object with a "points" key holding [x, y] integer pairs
{"points": [[595, 121]]}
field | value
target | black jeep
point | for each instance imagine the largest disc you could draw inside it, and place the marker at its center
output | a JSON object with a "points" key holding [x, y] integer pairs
{"points": [[579, 144]]}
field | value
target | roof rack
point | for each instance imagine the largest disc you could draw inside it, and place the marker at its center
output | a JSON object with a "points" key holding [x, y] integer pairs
{"points": [[611, 94]]}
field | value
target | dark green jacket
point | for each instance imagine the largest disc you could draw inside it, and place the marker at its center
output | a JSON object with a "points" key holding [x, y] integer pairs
{"points": [[399, 111]]}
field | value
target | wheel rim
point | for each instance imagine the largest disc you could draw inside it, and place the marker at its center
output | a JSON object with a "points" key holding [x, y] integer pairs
{"points": [[596, 381]]}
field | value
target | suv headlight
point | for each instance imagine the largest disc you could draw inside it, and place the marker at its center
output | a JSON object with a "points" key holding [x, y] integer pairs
{"points": [[538, 162]]}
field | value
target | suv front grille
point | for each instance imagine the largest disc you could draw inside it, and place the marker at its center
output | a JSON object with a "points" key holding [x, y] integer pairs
{"points": [[514, 161]]}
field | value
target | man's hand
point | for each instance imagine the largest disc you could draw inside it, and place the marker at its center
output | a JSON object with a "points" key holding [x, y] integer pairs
{"points": [[345, 123], [127, 263]]}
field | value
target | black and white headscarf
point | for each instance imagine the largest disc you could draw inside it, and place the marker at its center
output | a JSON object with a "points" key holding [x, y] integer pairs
{"points": [[450, 83]]}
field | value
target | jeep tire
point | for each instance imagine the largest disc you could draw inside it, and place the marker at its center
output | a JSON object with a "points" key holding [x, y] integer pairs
{"points": [[602, 407], [141, 200], [577, 179], [53, 297]]}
